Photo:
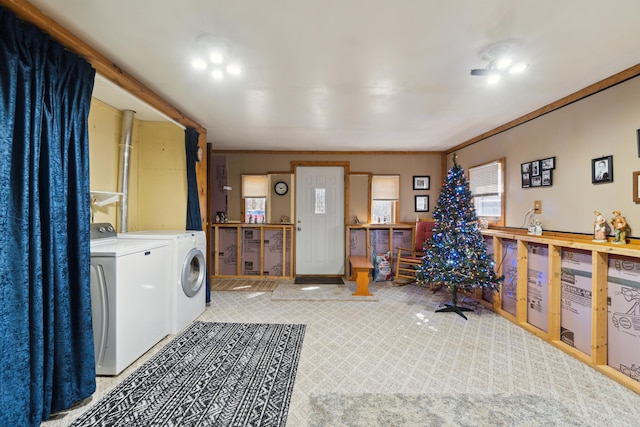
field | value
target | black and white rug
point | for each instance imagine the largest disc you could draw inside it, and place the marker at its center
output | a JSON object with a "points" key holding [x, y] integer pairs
{"points": [[212, 374]]}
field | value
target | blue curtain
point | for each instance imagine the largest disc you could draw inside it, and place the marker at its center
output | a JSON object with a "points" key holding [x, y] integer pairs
{"points": [[46, 343], [193, 202]]}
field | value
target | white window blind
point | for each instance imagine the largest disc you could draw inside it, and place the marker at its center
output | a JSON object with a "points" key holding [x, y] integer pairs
{"points": [[254, 186], [385, 187], [486, 179]]}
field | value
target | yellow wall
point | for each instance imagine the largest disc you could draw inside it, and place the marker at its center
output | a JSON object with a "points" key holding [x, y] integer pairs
{"points": [[407, 165], [157, 176], [163, 177], [602, 124]]}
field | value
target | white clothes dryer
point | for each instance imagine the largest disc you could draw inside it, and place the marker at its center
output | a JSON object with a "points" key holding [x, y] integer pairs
{"points": [[128, 297], [187, 281]]}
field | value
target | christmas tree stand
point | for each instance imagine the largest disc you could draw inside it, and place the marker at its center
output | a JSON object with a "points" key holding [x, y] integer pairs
{"points": [[453, 306]]}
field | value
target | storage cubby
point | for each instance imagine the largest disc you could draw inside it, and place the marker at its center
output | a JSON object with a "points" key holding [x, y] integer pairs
{"points": [[251, 250], [580, 296]]}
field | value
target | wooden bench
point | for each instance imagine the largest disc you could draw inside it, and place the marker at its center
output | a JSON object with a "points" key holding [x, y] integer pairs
{"points": [[360, 266]]}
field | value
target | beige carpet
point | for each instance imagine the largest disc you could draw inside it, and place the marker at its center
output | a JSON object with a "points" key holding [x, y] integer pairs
{"points": [[435, 410], [291, 292], [255, 285]]}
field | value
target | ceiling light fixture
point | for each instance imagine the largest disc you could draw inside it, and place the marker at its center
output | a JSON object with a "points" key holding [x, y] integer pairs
{"points": [[500, 60], [215, 56]]}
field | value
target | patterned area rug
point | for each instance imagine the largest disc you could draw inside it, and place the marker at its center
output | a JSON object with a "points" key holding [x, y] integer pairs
{"points": [[490, 410], [212, 374], [254, 285]]}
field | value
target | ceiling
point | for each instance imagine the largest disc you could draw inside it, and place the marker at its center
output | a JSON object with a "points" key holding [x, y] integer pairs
{"points": [[351, 75]]}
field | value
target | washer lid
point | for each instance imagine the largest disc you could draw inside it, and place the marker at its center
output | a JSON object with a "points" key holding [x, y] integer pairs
{"points": [[157, 234], [120, 247]]}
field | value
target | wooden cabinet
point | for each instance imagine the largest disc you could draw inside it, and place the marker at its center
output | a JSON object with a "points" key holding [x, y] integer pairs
{"points": [[251, 250], [580, 296]]}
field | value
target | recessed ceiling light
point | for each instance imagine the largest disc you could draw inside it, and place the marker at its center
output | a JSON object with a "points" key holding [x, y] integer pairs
{"points": [[234, 69], [216, 57], [494, 78], [503, 63], [217, 74], [518, 68], [199, 64]]}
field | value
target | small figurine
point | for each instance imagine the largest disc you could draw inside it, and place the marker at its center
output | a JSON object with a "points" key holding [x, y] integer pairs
{"points": [[535, 227], [599, 228], [619, 225]]}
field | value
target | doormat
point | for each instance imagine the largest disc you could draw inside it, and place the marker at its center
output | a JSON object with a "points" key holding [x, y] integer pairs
{"points": [[212, 374], [254, 285], [318, 280]]}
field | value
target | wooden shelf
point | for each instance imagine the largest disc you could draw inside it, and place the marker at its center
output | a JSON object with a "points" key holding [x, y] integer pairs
{"points": [[251, 250]]}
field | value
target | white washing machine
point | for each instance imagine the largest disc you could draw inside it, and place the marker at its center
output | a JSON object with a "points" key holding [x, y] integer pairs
{"points": [[187, 282], [129, 282]]}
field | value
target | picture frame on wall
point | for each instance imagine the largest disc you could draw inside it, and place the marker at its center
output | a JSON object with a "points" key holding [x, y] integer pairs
{"points": [[535, 168], [636, 187], [536, 181], [421, 203], [526, 180], [546, 178], [548, 163], [421, 182], [602, 170], [525, 167]]}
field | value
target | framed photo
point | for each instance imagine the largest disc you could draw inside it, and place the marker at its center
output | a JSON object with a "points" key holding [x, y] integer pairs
{"points": [[636, 187], [422, 203], [602, 170], [536, 181], [638, 139], [526, 180], [547, 177], [421, 182], [535, 168], [525, 168], [548, 164]]}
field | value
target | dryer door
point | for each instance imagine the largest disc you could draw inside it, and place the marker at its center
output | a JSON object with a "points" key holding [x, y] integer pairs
{"points": [[193, 272]]}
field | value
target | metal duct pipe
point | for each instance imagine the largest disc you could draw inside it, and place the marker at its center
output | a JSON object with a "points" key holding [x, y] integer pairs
{"points": [[123, 167]]}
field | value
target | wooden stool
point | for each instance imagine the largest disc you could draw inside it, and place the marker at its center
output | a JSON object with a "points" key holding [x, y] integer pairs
{"points": [[361, 266]]}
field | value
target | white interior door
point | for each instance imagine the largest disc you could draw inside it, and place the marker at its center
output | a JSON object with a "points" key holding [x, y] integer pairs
{"points": [[320, 220]]}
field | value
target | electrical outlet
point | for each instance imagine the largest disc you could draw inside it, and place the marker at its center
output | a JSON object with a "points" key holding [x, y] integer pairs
{"points": [[537, 206]]}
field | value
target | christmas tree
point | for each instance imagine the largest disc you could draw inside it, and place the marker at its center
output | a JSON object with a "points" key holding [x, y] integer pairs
{"points": [[456, 255]]}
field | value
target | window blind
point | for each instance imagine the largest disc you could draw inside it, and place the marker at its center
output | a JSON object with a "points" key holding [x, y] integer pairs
{"points": [[254, 186], [385, 187], [485, 179]]}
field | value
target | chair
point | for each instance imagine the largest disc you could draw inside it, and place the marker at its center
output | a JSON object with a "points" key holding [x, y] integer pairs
{"points": [[408, 260]]}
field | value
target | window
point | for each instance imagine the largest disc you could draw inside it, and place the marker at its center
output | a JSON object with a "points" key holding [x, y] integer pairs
{"points": [[385, 191], [254, 196], [487, 187]]}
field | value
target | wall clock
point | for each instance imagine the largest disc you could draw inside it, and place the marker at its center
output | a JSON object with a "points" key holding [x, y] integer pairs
{"points": [[281, 188]]}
